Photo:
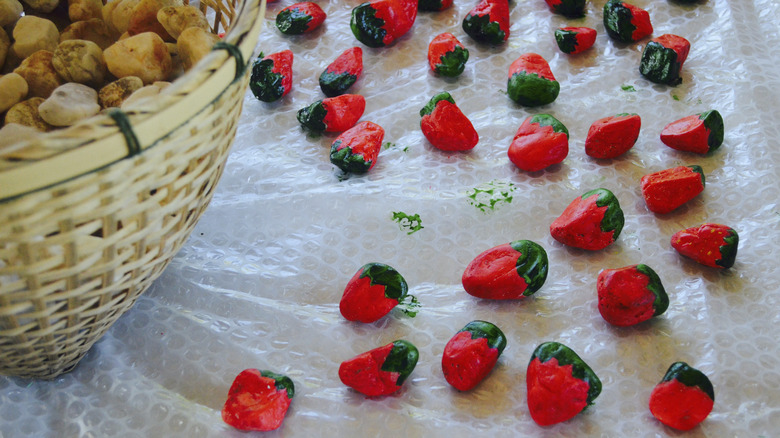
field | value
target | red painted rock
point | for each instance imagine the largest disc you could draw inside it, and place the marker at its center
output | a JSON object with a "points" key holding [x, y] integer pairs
{"points": [[333, 114], [531, 81], [258, 400], [373, 292], [611, 137], [625, 22], [357, 149], [592, 221], [712, 245], [445, 125], [698, 133], [271, 77], [378, 23], [559, 384], [488, 22], [300, 18], [573, 40], [342, 73], [447, 56], [663, 58], [683, 399], [380, 371], [630, 295], [541, 141], [666, 190], [506, 272], [471, 354]]}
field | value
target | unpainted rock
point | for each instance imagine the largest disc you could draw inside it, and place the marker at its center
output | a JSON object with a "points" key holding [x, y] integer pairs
{"points": [[45, 6], [193, 44], [10, 12], [38, 71], [143, 18], [13, 88], [177, 18], [94, 30], [117, 14], [26, 113], [68, 104], [82, 10], [33, 33], [113, 94], [144, 55], [147, 92], [80, 61]]}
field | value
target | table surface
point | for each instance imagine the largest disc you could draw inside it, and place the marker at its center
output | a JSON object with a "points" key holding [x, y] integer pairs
{"points": [[258, 283]]}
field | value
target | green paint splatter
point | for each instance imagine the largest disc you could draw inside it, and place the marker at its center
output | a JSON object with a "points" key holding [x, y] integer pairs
{"points": [[675, 97], [628, 88], [413, 223], [489, 196], [389, 145]]}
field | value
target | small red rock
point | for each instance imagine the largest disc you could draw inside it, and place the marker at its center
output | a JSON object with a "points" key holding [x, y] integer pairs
{"points": [[684, 398], [592, 221], [258, 400], [611, 137], [541, 141], [666, 190], [380, 371], [445, 125], [630, 295], [713, 245], [698, 133]]}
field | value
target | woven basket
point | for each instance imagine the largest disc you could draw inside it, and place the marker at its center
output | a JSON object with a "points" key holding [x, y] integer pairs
{"points": [[91, 215]]}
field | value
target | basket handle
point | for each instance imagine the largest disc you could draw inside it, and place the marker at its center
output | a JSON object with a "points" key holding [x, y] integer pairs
{"points": [[123, 123], [235, 52]]}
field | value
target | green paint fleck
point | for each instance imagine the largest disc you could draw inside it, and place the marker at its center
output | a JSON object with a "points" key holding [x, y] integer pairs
{"points": [[489, 196], [410, 306], [388, 145], [413, 223], [675, 97], [628, 88]]}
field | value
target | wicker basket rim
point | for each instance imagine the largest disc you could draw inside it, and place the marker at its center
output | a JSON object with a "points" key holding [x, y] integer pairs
{"points": [[108, 138]]}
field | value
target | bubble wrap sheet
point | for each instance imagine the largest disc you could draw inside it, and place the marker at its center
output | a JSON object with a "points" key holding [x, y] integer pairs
{"points": [[258, 283]]}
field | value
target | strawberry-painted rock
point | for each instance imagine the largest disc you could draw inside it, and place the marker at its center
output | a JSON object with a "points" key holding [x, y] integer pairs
{"points": [[592, 221], [666, 190], [713, 245], [541, 141]]}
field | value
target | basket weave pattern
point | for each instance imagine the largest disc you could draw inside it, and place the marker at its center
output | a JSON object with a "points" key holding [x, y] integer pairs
{"points": [[76, 255]]}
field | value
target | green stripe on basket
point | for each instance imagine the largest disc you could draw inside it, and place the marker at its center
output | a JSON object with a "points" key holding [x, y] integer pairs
{"points": [[123, 123], [234, 51]]}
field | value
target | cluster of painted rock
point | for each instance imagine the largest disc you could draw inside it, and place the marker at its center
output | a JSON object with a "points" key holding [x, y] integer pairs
{"points": [[53, 79], [559, 383]]}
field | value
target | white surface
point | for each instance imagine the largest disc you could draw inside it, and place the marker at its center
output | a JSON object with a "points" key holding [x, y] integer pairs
{"points": [[258, 284]]}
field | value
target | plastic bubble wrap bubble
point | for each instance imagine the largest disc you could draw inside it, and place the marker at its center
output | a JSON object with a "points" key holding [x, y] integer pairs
{"points": [[258, 283]]}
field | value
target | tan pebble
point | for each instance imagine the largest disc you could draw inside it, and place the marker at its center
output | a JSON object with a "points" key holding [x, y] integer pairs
{"points": [[26, 113], [82, 10], [10, 12], [193, 44], [113, 94], [119, 16], [80, 61], [147, 92], [33, 33], [68, 104], [13, 88], [143, 18], [94, 30], [40, 74], [42, 5], [144, 55], [177, 18]]}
